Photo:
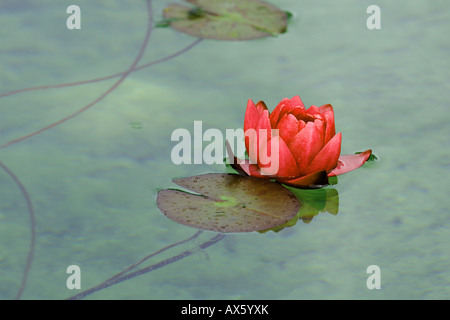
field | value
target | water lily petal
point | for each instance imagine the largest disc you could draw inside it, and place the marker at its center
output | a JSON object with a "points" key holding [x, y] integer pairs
{"points": [[302, 115], [297, 102], [258, 135], [251, 116], [305, 145], [320, 126], [313, 110], [350, 162], [276, 160], [312, 180], [275, 115], [301, 125], [261, 106], [284, 107], [264, 122], [250, 121], [327, 158], [288, 126], [328, 115]]}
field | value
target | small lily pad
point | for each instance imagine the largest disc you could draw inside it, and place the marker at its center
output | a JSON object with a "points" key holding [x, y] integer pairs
{"points": [[229, 203], [227, 19]]}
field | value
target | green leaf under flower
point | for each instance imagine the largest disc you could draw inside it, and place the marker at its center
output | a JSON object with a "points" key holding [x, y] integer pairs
{"points": [[312, 202]]}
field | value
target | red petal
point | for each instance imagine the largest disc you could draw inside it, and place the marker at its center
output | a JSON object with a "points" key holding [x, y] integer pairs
{"points": [[261, 106], [313, 110], [288, 126], [302, 115], [281, 165], [297, 102], [301, 125], [275, 115], [251, 116], [262, 133], [326, 108], [253, 113], [284, 107], [251, 119], [320, 129], [305, 145], [312, 180], [327, 158], [350, 162], [264, 123], [328, 115]]}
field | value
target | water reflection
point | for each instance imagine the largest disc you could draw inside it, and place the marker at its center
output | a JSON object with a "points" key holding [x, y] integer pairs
{"points": [[312, 202]]}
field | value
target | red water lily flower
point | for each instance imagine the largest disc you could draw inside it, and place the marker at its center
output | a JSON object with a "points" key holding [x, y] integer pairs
{"points": [[308, 146]]}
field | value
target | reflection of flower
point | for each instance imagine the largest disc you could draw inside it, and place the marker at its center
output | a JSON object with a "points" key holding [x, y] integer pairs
{"points": [[315, 201], [308, 146], [312, 202]]}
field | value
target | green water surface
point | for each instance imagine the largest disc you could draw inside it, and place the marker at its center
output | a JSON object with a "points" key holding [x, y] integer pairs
{"points": [[93, 179]]}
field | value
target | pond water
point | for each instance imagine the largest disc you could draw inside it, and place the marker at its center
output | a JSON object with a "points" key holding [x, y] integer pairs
{"points": [[93, 179]]}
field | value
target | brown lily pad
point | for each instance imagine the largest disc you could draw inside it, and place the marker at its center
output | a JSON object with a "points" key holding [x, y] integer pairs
{"points": [[227, 19], [229, 203]]}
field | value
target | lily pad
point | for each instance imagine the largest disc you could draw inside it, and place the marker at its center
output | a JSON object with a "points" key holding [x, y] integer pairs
{"points": [[227, 19], [228, 203]]}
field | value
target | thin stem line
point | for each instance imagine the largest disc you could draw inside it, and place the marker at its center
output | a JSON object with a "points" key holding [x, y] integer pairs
{"points": [[30, 255], [149, 64], [114, 86], [133, 266], [163, 263]]}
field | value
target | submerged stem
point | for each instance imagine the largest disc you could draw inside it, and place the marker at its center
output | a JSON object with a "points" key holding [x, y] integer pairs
{"points": [[133, 266], [30, 256], [122, 276]]}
